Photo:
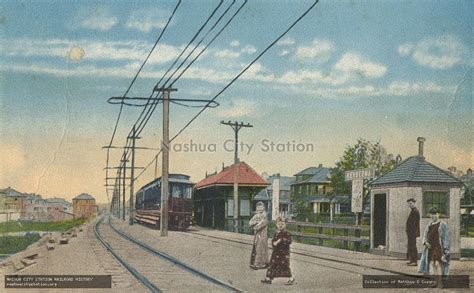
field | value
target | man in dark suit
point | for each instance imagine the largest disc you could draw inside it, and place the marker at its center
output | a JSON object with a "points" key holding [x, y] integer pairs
{"points": [[413, 231]]}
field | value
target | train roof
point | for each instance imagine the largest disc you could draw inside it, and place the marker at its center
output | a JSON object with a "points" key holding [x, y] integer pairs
{"points": [[174, 178]]}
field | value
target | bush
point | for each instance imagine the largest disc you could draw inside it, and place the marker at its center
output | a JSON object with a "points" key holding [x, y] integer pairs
{"points": [[14, 244]]}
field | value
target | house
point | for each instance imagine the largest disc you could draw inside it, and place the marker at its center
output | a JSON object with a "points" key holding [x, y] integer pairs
{"points": [[213, 197], [9, 210], [84, 206], [59, 209], [430, 186], [312, 185], [14, 201], [47, 210]]}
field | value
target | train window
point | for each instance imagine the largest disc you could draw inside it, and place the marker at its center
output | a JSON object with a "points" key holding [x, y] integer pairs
{"points": [[176, 191]]}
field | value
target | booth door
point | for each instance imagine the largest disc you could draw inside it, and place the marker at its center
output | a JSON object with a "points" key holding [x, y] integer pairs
{"points": [[380, 213]]}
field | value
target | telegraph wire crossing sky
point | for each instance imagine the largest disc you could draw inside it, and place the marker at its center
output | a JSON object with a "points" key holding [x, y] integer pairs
{"points": [[347, 70]]}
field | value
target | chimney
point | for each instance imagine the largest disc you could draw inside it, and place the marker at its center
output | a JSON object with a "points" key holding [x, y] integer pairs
{"points": [[320, 165], [420, 140]]}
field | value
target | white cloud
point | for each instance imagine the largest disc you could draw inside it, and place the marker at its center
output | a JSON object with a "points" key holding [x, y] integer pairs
{"points": [[319, 50], [394, 89], [101, 21], [286, 41], [312, 76], [93, 50], [405, 49], [146, 20], [438, 53], [249, 49], [352, 63], [405, 88], [239, 107], [258, 72], [227, 54], [284, 53], [235, 43], [351, 66]]}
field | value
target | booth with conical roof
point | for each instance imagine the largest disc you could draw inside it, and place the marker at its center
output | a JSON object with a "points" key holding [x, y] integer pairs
{"points": [[430, 186]]}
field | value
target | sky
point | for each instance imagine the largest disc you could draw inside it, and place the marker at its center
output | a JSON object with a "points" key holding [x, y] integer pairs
{"points": [[385, 71]]}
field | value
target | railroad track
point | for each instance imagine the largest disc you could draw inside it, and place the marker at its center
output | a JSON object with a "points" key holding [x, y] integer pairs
{"points": [[155, 269]]}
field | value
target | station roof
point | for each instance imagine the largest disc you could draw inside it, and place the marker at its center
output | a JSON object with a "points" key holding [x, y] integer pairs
{"points": [[83, 196], [245, 174], [416, 169]]}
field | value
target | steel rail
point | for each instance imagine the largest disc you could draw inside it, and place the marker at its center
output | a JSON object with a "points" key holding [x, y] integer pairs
{"points": [[131, 269], [175, 260]]}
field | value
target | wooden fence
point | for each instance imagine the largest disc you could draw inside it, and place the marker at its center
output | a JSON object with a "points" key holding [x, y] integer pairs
{"points": [[317, 232]]}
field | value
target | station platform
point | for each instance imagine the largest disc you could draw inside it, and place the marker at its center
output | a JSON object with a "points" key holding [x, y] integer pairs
{"points": [[226, 256]]}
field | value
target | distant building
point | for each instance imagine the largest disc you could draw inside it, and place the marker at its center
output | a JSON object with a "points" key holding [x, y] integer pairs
{"points": [[430, 186], [214, 198], [9, 210], [312, 185], [84, 206], [47, 210], [14, 202]]}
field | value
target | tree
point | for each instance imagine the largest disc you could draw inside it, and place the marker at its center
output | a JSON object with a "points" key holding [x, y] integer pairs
{"points": [[364, 154]]}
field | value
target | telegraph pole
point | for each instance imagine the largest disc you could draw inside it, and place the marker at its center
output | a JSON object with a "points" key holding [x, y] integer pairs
{"points": [[124, 161], [236, 126], [165, 165], [119, 193], [132, 177]]}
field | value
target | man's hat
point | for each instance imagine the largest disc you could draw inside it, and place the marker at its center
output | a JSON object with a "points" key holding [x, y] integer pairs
{"points": [[411, 199]]}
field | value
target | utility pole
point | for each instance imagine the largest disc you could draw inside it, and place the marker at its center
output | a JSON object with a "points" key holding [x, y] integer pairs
{"points": [[124, 161], [119, 193], [236, 126], [132, 177], [165, 164]]}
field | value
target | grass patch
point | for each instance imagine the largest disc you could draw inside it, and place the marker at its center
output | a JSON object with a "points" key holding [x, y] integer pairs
{"points": [[14, 226], [14, 244]]}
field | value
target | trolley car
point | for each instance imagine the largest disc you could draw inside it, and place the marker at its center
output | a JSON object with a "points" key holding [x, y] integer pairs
{"points": [[148, 201]]}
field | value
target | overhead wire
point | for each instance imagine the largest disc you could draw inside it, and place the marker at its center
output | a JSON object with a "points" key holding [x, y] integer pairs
{"points": [[135, 78], [235, 79]]}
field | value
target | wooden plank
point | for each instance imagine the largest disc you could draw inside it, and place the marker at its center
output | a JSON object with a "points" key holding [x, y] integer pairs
{"points": [[335, 226], [331, 237], [28, 262], [32, 256]]}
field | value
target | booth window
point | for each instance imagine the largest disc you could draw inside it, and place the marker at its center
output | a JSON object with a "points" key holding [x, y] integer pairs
{"points": [[437, 199]]}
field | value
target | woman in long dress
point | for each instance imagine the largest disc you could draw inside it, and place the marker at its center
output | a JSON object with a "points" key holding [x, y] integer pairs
{"points": [[259, 223], [436, 245], [280, 261]]}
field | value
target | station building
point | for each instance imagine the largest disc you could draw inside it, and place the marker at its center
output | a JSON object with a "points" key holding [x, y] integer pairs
{"points": [[430, 186], [214, 197], [84, 206]]}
